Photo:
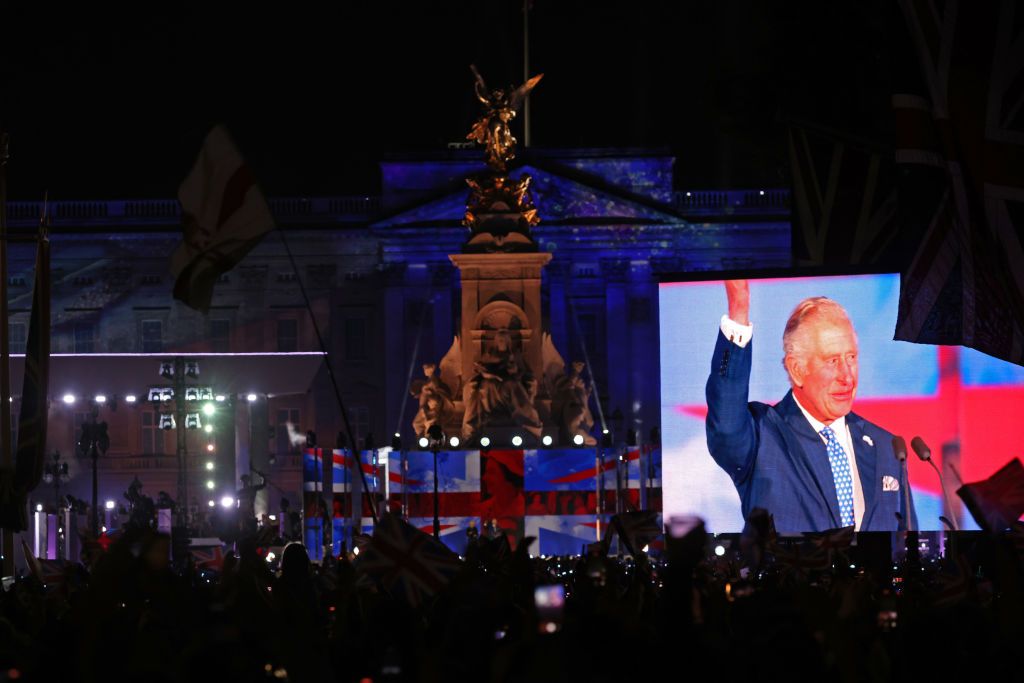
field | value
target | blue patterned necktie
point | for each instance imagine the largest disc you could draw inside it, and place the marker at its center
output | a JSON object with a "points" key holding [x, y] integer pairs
{"points": [[841, 475]]}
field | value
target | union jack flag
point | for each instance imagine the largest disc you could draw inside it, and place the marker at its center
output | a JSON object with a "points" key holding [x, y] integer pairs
{"points": [[408, 563], [799, 558], [837, 539], [844, 198], [48, 572], [965, 286], [954, 585], [209, 557], [997, 502]]}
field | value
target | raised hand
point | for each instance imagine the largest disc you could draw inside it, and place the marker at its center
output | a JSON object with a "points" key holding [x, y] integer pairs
{"points": [[738, 294]]}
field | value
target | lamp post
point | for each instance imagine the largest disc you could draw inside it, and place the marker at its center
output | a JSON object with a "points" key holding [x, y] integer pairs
{"points": [[435, 438], [56, 473], [93, 442]]}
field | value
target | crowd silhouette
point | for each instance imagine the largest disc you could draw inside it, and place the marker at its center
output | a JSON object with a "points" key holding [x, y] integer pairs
{"points": [[738, 608]]}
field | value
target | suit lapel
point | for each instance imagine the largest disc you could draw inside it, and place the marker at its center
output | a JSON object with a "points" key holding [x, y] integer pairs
{"points": [[813, 451], [866, 459]]}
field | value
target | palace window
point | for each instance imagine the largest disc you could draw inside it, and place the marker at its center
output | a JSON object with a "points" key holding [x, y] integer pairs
{"points": [[287, 335], [85, 337], [152, 333]]}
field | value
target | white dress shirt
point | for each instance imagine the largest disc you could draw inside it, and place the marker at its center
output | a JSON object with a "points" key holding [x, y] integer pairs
{"points": [[740, 335]]}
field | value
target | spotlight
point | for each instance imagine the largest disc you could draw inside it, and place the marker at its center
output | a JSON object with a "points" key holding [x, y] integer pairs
{"points": [[227, 501], [424, 442], [578, 439], [209, 409], [110, 504], [210, 447], [39, 507], [719, 550], [396, 442], [100, 398], [271, 556], [485, 441], [220, 398], [547, 440], [517, 441], [69, 398], [130, 398], [272, 518], [454, 442], [210, 484], [207, 428], [209, 466], [211, 503], [251, 398]]}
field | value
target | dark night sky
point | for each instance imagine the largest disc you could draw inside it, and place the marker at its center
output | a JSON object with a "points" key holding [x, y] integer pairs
{"points": [[106, 105]]}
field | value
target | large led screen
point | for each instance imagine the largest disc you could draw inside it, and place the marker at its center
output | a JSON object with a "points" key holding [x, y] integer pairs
{"points": [[964, 404]]}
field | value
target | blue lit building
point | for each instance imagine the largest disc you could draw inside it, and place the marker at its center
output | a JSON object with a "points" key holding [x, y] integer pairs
{"points": [[385, 296]]}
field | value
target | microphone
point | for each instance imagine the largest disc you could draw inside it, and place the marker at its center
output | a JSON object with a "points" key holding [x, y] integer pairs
{"points": [[921, 448], [925, 453], [899, 448]]}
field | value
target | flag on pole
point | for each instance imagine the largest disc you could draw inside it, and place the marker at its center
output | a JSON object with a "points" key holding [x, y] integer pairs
{"points": [[960, 144], [408, 563], [31, 450], [48, 572], [224, 215]]}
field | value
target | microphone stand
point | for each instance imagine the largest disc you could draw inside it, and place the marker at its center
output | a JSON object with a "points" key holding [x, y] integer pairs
{"points": [[945, 496]]}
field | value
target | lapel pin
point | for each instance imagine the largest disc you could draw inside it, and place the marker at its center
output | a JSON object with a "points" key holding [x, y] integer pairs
{"points": [[868, 441]]}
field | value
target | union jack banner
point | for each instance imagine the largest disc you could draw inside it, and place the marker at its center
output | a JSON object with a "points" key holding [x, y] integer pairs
{"points": [[965, 286], [209, 557], [844, 199], [800, 558], [408, 563], [48, 572], [954, 585], [837, 539]]}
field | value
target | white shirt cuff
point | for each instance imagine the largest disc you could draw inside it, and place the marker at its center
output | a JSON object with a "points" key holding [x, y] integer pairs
{"points": [[735, 332]]}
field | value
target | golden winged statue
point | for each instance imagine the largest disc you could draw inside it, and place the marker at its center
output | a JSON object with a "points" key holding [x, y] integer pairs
{"points": [[492, 128]]}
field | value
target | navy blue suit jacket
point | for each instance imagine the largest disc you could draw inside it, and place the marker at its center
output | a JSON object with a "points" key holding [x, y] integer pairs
{"points": [[779, 463]]}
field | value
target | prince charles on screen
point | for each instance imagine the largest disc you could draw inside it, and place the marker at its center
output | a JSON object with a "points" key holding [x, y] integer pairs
{"points": [[808, 460]]}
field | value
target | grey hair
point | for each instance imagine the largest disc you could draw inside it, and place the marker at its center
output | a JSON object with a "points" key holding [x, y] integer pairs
{"points": [[813, 307]]}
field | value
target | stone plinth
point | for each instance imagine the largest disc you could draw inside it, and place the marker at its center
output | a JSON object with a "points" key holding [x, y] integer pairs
{"points": [[501, 291]]}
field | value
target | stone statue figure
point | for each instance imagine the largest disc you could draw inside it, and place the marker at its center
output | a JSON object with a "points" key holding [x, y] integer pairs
{"points": [[492, 128], [573, 405], [501, 391], [435, 400]]}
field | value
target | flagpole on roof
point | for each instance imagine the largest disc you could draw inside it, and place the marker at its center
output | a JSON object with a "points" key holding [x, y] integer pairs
{"points": [[7, 462], [526, 70]]}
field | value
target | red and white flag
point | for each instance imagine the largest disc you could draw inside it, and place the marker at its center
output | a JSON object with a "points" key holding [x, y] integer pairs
{"points": [[224, 215]]}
